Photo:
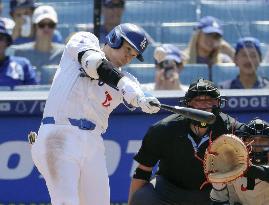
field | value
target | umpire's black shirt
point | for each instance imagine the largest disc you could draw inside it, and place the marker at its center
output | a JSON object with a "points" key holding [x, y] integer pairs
{"points": [[172, 143]]}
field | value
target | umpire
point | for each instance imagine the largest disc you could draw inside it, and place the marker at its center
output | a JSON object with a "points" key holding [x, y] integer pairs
{"points": [[178, 145]]}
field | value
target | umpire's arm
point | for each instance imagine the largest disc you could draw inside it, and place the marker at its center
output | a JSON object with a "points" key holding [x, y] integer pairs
{"points": [[140, 178], [147, 157]]}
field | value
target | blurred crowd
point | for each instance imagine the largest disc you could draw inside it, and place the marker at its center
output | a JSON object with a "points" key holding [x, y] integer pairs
{"points": [[31, 47]]}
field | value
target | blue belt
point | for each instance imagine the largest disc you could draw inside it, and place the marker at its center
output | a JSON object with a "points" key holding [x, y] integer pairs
{"points": [[82, 124]]}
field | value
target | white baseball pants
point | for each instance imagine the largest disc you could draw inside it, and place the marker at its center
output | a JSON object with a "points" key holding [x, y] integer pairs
{"points": [[72, 162]]}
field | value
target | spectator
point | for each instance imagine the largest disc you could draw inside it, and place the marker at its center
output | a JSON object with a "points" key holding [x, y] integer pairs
{"points": [[248, 57], [254, 187], [112, 11], [169, 63], [178, 145], [207, 45], [13, 70], [21, 12], [9, 23], [42, 51], [24, 31]]}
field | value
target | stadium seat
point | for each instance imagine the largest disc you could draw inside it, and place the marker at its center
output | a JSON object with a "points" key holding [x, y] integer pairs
{"points": [[260, 30], [148, 56], [232, 11], [5, 88], [224, 72], [32, 88], [192, 72], [177, 32], [73, 12], [153, 31], [47, 74], [159, 11], [145, 73], [263, 70], [233, 31], [66, 30]]}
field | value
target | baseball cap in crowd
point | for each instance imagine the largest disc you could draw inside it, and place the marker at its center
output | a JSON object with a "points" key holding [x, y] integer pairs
{"points": [[4, 32], [210, 24], [14, 4], [44, 12], [167, 52], [248, 42], [113, 3]]}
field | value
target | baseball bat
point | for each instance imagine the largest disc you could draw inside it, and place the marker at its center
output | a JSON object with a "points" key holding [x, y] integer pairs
{"points": [[191, 113]]}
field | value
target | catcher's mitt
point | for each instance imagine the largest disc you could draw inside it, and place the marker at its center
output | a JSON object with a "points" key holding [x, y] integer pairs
{"points": [[226, 159]]}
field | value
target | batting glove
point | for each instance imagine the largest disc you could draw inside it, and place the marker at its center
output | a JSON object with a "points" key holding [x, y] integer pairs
{"points": [[144, 103], [130, 90]]}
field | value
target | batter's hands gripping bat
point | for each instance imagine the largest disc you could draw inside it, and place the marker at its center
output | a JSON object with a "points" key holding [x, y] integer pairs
{"points": [[191, 113]]}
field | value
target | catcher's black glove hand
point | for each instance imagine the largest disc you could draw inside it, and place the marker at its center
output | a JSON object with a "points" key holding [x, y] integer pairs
{"points": [[258, 172], [32, 137]]}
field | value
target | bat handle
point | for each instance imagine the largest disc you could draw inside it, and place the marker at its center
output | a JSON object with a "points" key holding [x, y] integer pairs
{"points": [[154, 104]]}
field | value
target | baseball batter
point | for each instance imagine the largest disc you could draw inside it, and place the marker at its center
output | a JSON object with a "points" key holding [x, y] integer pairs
{"points": [[69, 151], [254, 187]]}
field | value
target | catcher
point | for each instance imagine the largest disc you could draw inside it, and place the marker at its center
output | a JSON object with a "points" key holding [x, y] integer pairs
{"points": [[178, 145], [253, 188]]}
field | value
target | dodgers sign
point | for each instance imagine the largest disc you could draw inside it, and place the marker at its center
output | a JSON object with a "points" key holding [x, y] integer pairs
{"points": [[22, 184]]}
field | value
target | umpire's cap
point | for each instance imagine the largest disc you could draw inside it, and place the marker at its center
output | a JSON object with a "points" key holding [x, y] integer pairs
{"points": [[133, 34]]}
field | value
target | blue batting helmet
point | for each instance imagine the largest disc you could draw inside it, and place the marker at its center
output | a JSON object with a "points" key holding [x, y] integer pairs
{"points": [[133, 34]]}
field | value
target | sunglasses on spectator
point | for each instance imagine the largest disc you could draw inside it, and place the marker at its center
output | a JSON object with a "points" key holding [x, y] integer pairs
{"points": [[43, 25], [215, 36]]}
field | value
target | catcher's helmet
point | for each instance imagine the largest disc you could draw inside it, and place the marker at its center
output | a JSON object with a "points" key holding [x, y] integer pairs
{"points": [[257, 128], [133, 34]]}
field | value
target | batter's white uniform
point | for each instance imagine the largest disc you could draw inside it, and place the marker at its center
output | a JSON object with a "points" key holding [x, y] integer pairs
{"points": [[236, 192], [72, 160]]}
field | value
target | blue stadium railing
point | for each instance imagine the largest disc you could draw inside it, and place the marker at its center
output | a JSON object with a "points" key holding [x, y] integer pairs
{"points": [[145, 73], [172, 21]]}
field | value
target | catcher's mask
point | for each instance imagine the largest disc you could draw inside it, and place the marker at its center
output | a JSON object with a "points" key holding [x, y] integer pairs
{"points": [[257, 130], [203, 88]]}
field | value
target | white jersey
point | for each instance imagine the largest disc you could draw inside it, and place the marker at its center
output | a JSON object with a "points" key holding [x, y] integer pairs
{"points": [[236, 192], [73, 96]]}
